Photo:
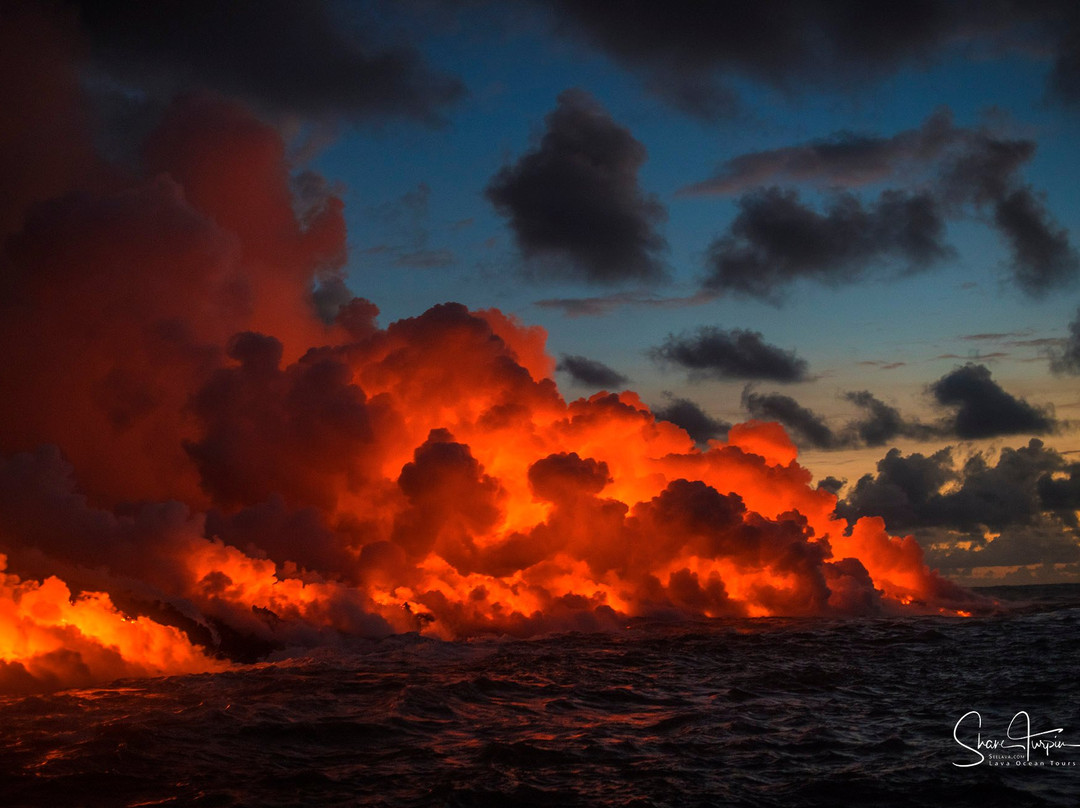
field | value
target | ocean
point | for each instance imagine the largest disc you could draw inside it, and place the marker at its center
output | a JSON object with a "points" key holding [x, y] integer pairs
{"points": [[730, 712]]}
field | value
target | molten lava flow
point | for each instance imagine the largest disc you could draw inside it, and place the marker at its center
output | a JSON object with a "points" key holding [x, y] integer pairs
{"points": [[48, 638], [184, 429]]}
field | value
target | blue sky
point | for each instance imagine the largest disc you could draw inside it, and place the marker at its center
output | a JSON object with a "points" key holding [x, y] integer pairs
{"points": [[514, 70]]}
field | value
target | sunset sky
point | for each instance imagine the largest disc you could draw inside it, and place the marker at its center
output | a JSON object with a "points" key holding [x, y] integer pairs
{"points": [[859, 220]]}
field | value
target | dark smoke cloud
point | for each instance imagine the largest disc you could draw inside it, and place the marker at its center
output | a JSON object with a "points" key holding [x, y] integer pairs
{"points": [[690, 52], [302, 433], [1067, 359], [590, 372], [808, 428], [734, 354], [574, 202], [984, 409], [684, 413], [144, 284], [302, 58], [776, 239]]}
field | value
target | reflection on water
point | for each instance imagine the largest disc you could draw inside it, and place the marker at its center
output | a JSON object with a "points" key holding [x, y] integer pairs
{"points": [[765, 712]]}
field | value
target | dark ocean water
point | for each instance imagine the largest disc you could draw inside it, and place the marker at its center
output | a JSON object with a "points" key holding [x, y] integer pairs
{"points": [[767, 712]]}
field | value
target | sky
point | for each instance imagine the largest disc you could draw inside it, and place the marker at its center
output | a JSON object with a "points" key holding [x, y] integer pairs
{"points": [[364, 317]]}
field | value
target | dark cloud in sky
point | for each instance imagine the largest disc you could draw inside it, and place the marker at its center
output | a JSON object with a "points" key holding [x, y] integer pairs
{"points": [[984, 409], [911, 490], [574, 202], [1028, 497], [980, 409], [735, 354], [1065, 76], [695, 47], [951, 172], [425, 259], [809, 428], [845, 159], [599, 305], [689, 53], [1067, 359], [591, 373], [685, 413], [1043, 258], [305, 58], [776, 239], [881, 422], [900, 491]]}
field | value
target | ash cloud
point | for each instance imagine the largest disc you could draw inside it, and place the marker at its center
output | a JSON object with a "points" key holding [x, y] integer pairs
{"points": [[699, 425], [574, 203], [194, 431], [808, 428], [734, 354], [296, 58], [590, 372]]}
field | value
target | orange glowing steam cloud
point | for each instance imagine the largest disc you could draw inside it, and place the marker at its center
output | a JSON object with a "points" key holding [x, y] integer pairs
{"points": [[181, 431]]}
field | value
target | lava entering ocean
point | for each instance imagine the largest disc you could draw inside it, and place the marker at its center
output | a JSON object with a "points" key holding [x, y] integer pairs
{"points": [[215, 470]]}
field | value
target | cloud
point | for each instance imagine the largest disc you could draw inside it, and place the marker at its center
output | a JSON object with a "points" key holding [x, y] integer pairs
{"points": [[1065, 76], [603, 304], [574, 202], [1018, 510], [984, 409], [844, 159], [809, 428], [1043, 259], [691, 54], [734, 354], [690, 50], [948, 172], [686, 414], [981, 409], [775, 239], [1067, 359], [297, 58], [591, 373], [882, 423], [425, 259]]}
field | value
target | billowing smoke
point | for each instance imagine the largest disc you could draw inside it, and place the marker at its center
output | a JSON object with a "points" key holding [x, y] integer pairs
{"points": [[202, 461]]}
